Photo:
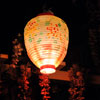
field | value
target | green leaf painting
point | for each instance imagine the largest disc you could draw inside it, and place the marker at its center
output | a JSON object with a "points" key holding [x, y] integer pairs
{"points": [[67, 38], [55, 41], [47, 23], [38, 20], [39, 40], [59, 25], [30, 38], [41, 33]]}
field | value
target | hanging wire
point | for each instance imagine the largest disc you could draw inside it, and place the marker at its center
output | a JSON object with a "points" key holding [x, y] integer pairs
{"points": [[46, 6]]}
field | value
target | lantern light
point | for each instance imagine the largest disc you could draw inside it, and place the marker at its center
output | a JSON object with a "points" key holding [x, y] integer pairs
{"points": [[46, 40]]}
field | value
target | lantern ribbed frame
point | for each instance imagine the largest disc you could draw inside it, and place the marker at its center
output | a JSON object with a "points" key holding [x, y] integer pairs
{"points": [[46, 40]]}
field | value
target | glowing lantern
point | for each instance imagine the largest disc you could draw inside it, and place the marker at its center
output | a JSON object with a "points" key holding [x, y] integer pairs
{"points": [[46, 39]]}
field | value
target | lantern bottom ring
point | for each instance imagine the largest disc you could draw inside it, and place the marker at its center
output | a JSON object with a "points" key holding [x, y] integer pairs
{"points": [[47, 69]]}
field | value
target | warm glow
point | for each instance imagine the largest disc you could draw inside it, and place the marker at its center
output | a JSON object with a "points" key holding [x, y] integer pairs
{"points": [[48, 71], [46, 40]]}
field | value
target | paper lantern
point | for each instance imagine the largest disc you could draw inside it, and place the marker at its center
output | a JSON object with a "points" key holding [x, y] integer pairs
{"points": [[46, 40]]}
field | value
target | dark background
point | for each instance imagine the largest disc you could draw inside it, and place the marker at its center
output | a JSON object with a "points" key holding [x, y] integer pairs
{"points": [[82, 18]]}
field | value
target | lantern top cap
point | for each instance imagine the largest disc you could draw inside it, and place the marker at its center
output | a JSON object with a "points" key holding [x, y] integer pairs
{"points": [[46, 13]]}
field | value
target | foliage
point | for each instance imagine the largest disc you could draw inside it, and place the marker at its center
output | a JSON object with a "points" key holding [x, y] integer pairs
{"points": [[77, 84], [44, 83]]}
